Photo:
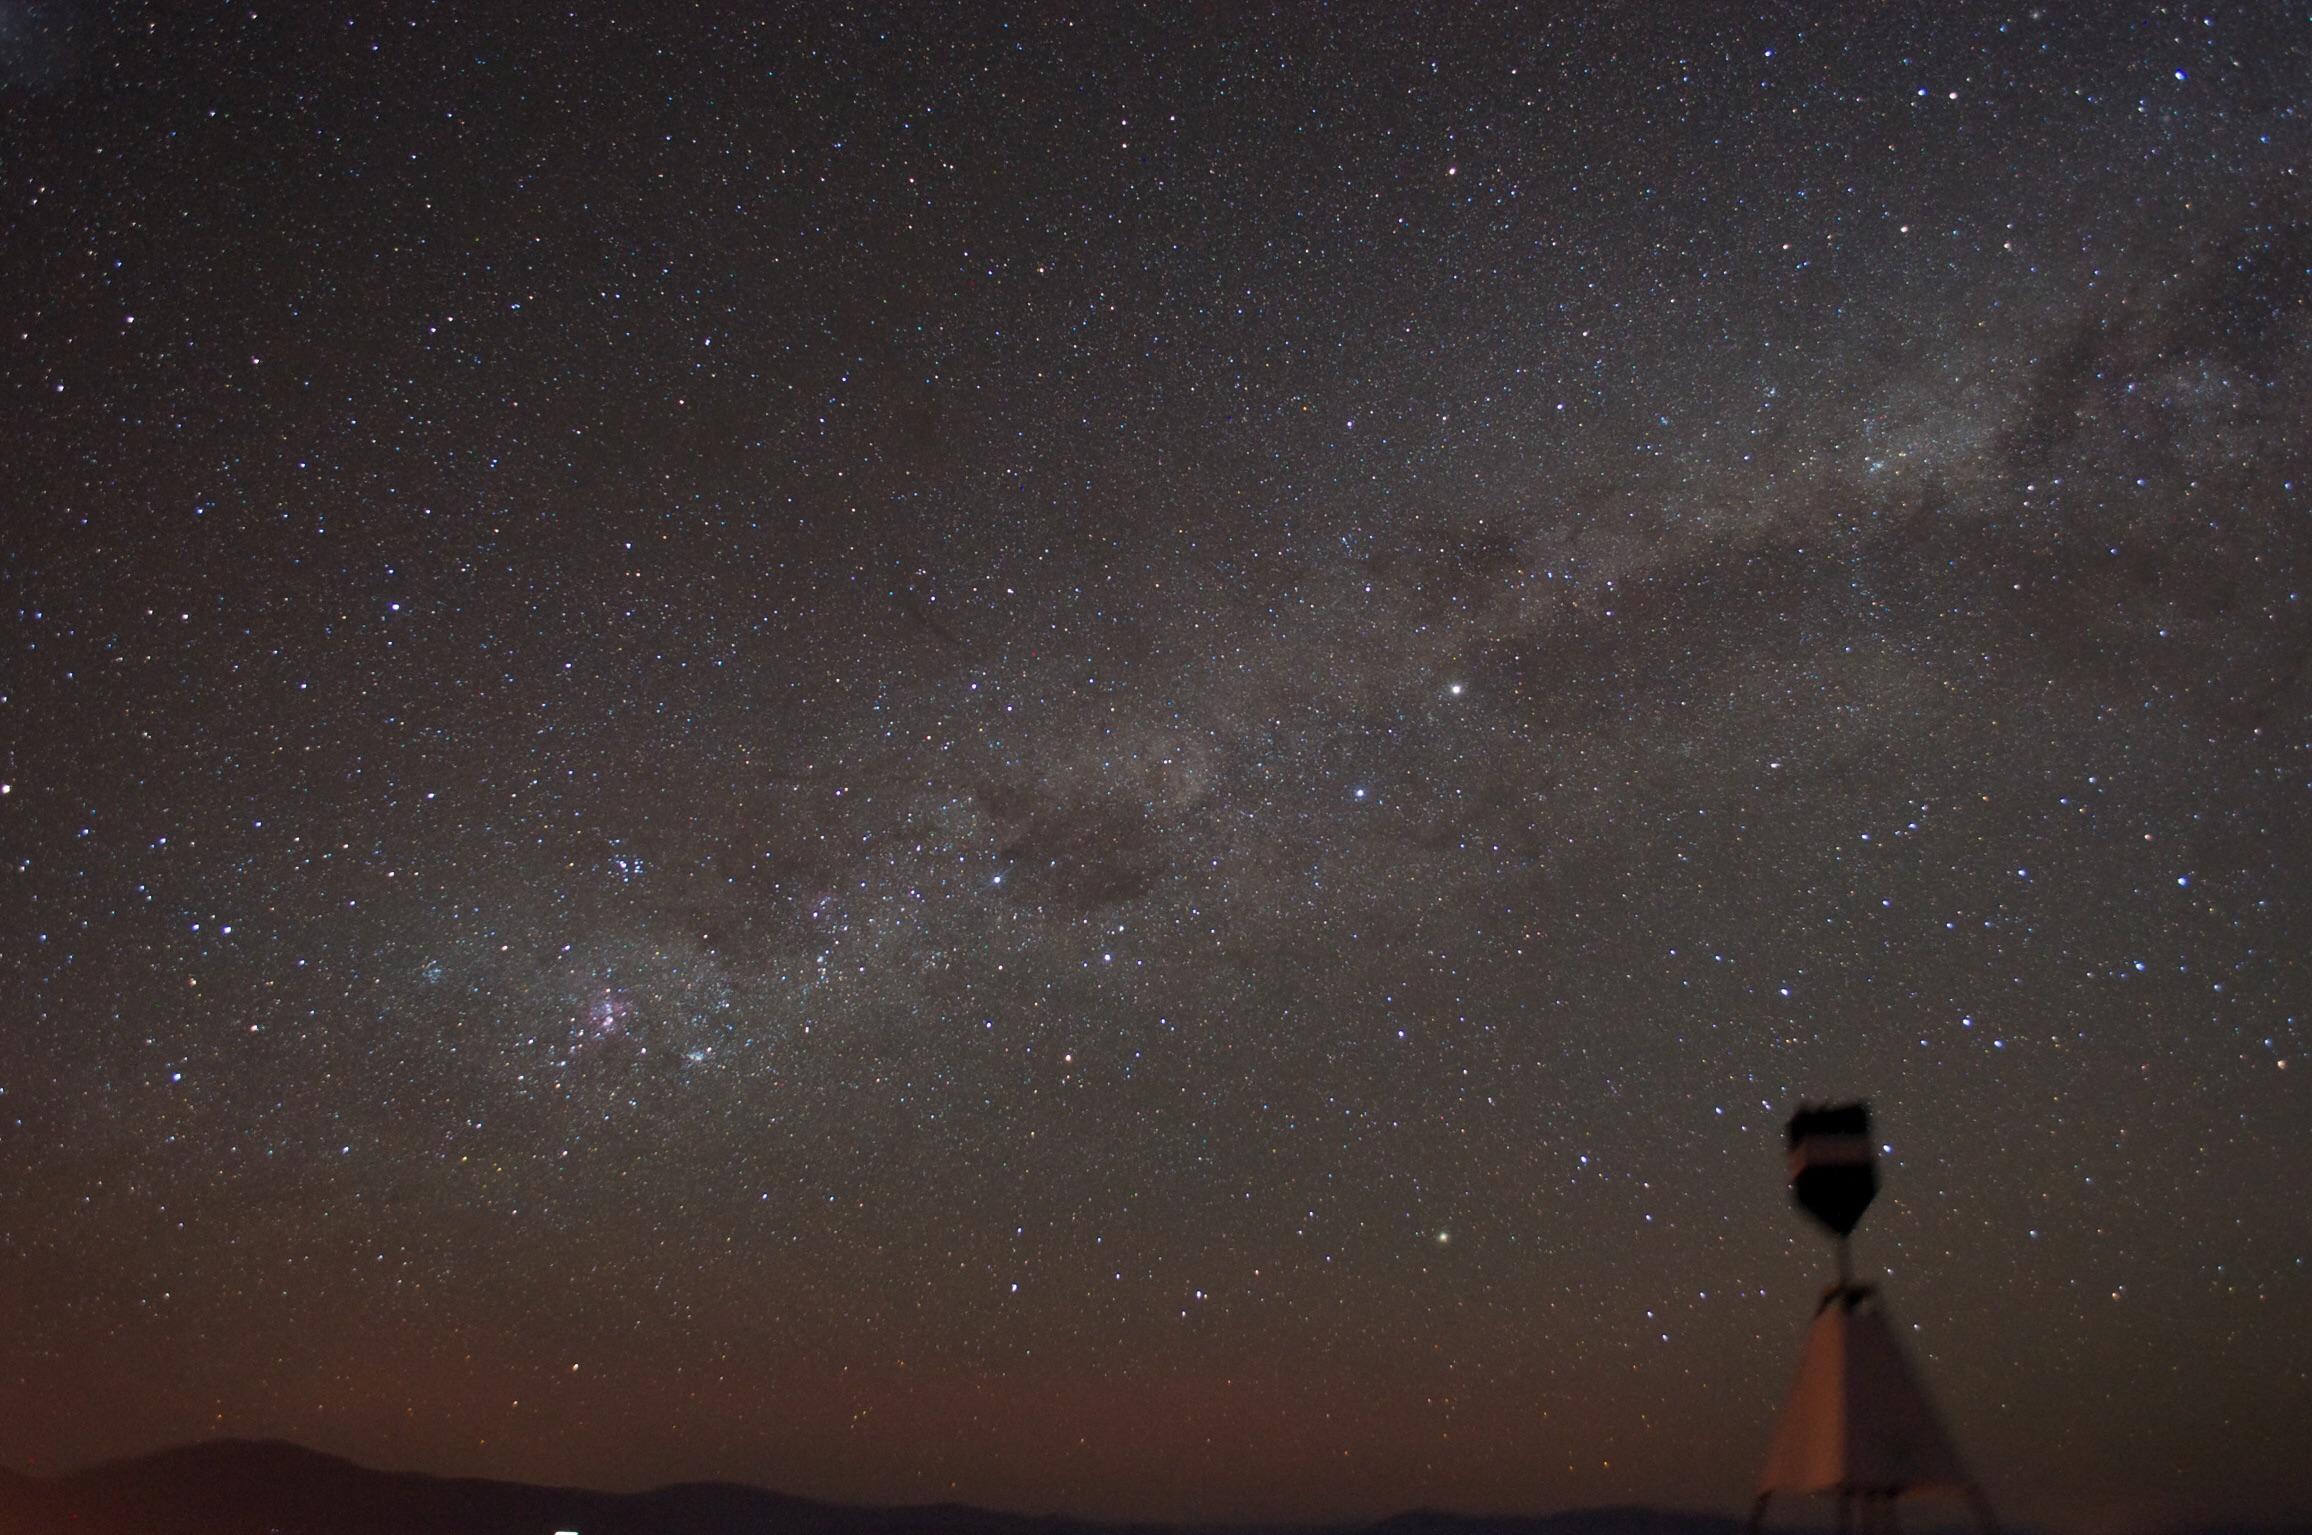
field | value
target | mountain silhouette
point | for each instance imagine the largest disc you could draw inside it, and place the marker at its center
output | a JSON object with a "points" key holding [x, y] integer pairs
{"points": [[270, 1487]]}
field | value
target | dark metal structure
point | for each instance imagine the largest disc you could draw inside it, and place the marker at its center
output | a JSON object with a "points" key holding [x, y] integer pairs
{"points": [[1857, 1425], [1834, 1168]]}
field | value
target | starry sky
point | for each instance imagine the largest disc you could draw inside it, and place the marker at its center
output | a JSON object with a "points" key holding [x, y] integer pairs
{"points": [[1122, 758]]}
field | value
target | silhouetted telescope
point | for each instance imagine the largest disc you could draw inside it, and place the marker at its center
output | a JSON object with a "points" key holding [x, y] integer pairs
{"points": [[1833, 1166], [1858, 1424]]}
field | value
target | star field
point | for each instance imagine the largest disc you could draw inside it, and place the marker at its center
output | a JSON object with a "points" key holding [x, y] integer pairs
{"points": [[1124, 760]]}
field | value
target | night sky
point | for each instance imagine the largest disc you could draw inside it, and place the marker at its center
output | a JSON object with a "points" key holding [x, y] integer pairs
{"points": [[1122, 759]]}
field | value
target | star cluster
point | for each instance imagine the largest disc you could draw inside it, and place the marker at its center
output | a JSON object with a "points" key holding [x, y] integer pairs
{"points": [[1123, 760]]}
